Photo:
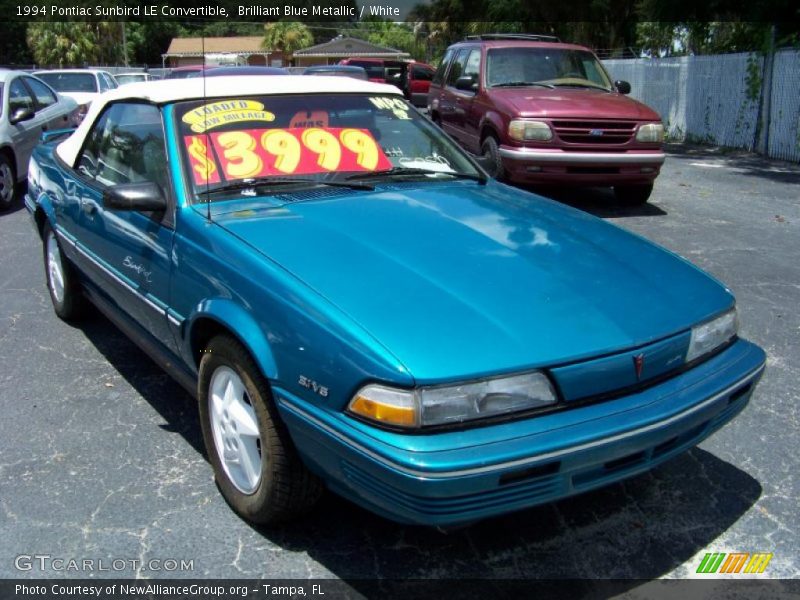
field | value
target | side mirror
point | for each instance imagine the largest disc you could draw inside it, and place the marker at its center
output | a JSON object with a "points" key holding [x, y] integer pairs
{"points": [[21, 114], [623, 87], [144, 197], [466, 83]]}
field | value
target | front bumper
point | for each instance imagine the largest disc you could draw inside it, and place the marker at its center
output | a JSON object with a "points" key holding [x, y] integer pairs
{"points": [[582, 168], [455, 477]]}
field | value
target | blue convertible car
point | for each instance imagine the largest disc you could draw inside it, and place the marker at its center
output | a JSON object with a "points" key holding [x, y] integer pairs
{"points": [[355, 305]]}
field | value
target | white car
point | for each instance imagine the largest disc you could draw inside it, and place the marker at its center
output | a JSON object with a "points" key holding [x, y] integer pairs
{"points": [[125, 78], [28, 108], [82, 85]]}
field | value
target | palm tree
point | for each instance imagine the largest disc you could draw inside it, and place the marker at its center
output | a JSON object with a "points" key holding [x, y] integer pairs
{"points": [[286, 37], [56, 43]]}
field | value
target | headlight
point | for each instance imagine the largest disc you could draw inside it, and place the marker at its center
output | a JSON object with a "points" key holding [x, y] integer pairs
{"points": [[529, 131], [712, 334], [652, 133], [440, 405]]}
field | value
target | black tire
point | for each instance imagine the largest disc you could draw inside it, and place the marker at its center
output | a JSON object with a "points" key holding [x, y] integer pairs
{"points": [[633, 195], [285, 488], [8, 182], [491, 151], [69, 303]]}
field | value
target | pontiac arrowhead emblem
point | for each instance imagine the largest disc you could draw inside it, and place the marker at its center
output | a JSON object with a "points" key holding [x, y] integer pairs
{"points": [[638, 363]]}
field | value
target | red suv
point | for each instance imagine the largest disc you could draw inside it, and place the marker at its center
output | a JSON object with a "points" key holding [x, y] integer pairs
{"points": [[541, 111], [415, 81], [414, 78]]}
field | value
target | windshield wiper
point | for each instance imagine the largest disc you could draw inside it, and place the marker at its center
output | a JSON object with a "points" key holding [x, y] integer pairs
{"points": [[266, 182], [523, 84], [414, 171], [582, 85]]}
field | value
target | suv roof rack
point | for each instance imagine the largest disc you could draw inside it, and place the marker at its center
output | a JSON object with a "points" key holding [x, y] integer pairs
{"points": [[533, 37]]}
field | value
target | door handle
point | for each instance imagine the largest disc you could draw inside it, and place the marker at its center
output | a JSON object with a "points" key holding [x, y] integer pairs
{"points": [[88, 207]]}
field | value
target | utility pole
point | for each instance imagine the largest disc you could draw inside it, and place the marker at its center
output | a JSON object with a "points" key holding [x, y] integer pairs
{"points": [[765, 110], [124, 44]]}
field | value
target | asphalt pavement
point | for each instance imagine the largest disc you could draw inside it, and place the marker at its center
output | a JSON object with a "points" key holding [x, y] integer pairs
{"points": [[101, 455]]}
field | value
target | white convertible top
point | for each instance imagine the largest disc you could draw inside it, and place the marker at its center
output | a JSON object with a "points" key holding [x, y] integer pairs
{"points": [[237, 86]]}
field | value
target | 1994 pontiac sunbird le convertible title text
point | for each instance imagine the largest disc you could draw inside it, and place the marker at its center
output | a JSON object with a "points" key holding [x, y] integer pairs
{"points": [[356, 305]]}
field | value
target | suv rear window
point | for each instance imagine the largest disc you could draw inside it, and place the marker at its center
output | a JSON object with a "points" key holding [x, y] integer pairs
{"points": [[374, 70], [421, 73]]}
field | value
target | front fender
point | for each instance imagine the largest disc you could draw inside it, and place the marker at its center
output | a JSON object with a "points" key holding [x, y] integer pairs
{"points": [[233, 317], [494, 121], [41, 209]]}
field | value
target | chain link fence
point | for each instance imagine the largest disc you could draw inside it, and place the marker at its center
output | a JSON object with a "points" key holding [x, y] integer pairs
{"points": [[735, 100]]}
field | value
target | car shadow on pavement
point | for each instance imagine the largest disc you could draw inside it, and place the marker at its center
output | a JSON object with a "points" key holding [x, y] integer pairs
{"points": [[640, 529], [161, 391], [599, 202], [746, 163]]}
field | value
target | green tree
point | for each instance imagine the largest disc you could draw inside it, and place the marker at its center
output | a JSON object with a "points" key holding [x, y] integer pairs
{"points": [[148, 40], [384, 32], [287, 37], [62, 44], [13, 48]]}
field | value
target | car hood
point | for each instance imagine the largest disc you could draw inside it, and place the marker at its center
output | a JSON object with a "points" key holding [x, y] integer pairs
{"points": [[461, 280], [574, 103]]}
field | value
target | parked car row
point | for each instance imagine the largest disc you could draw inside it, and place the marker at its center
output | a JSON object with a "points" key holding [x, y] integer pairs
{"points": [[356, 304]]}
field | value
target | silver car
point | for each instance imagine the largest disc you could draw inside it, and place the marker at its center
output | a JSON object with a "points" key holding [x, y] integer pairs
{"points": [[28, 107]]}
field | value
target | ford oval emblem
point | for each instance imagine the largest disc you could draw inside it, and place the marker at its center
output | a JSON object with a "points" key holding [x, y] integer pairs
{"points": [[596, 132]]}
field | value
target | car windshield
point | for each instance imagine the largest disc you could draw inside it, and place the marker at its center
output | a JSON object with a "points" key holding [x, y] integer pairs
{"points": [[70, 82], [316, 139], [130, 78], [557, 67]]}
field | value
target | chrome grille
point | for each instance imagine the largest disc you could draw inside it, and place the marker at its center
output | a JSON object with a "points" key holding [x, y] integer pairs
{"points": [[594, 133]]}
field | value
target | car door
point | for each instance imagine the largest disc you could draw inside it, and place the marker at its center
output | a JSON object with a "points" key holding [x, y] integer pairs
{"points": [[54, 113], [437, 83], [447, 101], [421, 80], [127, 254], [25, 134], [455, 103], [463, 125]]}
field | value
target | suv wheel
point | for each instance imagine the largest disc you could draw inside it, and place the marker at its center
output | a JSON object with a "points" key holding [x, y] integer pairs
{"points": [[491, 152], [7, 182], [255, 464], [68, 300], [633, 195]]}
